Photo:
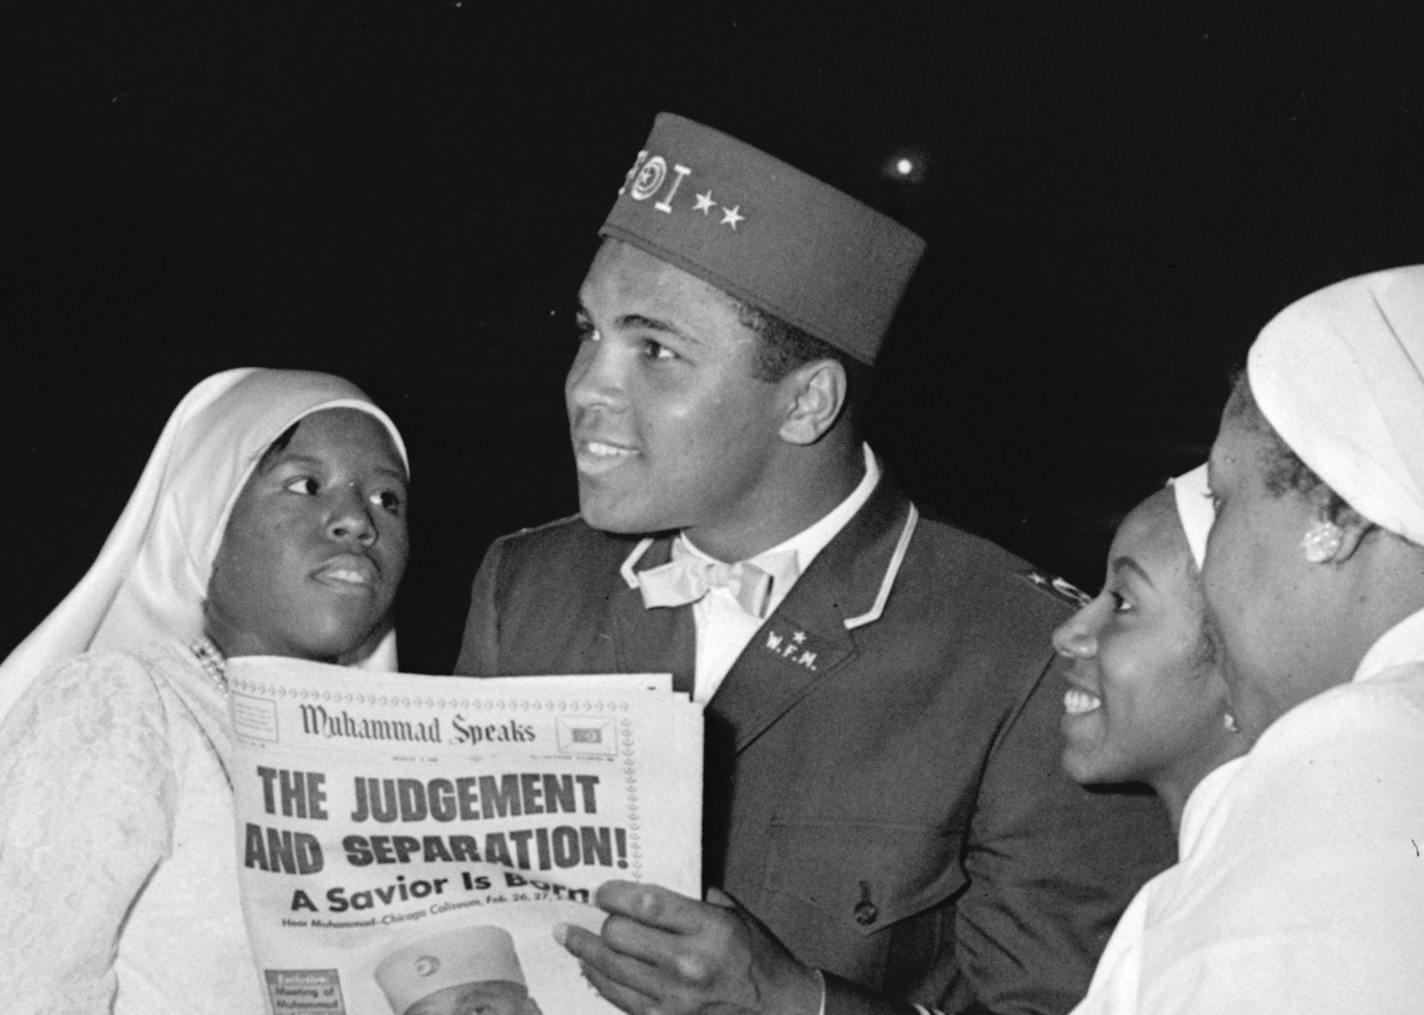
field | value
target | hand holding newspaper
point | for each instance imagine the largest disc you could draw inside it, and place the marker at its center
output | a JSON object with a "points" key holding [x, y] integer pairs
{"points": [[408, 843]]}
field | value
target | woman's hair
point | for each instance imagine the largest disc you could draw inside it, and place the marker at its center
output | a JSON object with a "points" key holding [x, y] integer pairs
{"points": [[1206, 655], [1282, 469]]}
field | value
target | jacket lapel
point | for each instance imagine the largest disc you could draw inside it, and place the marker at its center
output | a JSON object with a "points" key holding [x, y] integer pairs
{"points": [[652, 641], [804, 643]]}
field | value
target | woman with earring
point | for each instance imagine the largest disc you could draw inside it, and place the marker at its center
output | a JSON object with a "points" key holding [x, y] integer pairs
{"points": [[1304, 887], [270, 520]]}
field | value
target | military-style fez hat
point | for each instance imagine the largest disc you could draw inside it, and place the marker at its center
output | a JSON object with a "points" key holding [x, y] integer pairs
{"points": [[766, 233]]}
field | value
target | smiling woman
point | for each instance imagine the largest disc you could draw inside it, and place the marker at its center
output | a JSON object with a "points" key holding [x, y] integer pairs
{"points": [[1146, 701], [269, 520]]}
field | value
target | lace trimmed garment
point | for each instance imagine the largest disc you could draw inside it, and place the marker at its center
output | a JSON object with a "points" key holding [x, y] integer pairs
{"points": [[118, 868]]}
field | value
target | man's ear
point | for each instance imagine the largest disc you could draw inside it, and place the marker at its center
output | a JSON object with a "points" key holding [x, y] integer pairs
{"points": [[816, 393]]}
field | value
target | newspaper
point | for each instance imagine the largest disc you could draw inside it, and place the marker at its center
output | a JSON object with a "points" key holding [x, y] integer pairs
{"points": [[405, 837]]}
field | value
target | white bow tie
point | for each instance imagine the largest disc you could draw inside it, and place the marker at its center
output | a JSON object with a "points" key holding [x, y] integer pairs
{"points": [[687, 578]]}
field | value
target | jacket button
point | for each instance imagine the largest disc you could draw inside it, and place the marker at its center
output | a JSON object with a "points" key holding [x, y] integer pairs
{"points": [[866, 913]]}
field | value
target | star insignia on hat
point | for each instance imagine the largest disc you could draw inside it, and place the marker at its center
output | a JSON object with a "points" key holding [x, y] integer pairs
{"points": [[704, 203], [731, 216]]}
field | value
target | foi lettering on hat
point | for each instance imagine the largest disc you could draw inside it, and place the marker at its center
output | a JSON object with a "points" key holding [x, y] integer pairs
{"points": [[1340, 375], [449, 959], [766, 233]]}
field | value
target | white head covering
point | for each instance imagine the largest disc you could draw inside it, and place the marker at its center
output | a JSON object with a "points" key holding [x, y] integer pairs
{"points": [[451, 958], [1340, 375], [151, 576], [1194, 509]]}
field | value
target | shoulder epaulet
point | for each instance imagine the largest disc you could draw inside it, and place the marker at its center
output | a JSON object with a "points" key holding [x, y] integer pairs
{"points": [[1059, 588]]}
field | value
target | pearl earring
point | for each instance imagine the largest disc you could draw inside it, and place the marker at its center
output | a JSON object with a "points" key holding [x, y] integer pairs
{"points": [[1322, 542]]}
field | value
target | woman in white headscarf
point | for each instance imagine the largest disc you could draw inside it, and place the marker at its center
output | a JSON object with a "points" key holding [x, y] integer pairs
{"points": [[1304, 888], [270, 520]]}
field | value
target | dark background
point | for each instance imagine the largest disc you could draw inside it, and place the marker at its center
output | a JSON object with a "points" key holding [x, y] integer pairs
{"points": [[1117, 196]]}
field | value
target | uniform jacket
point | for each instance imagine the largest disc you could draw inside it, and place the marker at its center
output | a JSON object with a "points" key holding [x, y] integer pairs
{"points": [[882, 781]]}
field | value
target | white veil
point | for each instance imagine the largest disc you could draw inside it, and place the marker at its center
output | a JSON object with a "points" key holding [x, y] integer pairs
{"points": [[151, 576]]}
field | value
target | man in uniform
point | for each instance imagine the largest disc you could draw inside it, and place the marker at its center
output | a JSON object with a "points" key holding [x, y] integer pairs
{"points": [[883, 798]]}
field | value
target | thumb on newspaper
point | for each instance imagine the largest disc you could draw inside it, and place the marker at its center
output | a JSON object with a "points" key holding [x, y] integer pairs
{"points": [[717, 897]]}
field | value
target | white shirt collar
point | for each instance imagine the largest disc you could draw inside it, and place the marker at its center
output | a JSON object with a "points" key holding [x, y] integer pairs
{"points": [[816, 537]]}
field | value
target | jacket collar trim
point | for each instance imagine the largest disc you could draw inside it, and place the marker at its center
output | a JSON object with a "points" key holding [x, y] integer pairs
{"points": [[626, 570], [892, 571]]}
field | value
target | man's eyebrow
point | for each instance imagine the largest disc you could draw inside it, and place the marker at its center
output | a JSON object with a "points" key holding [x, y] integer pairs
{"points": [[1128, 564], [639, 321], [646, 323]]}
